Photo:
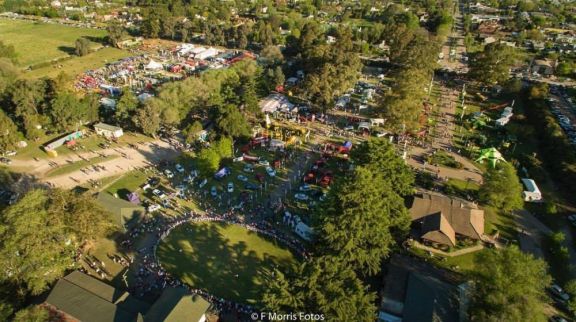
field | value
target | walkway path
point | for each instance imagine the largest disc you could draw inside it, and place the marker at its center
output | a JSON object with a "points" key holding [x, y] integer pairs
{"points": [[129, 159], [459, 252]]}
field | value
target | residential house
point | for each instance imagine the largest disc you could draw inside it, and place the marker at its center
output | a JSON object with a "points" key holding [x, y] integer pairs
{"points": [[416, 291], [441, 221]]}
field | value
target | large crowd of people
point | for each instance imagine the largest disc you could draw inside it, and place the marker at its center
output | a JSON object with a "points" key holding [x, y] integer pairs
{"points": [[152, 277]]}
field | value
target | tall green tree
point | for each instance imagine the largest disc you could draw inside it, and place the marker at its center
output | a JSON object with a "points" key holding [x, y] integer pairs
{"points": [[191, 132], [115, 33], [502, 188], [147, 119], [125, 108], [492, 65], [231, 122], [379, 156], [67, 112], [358, 221], [8, 132], [8, 51], [498, 294], [39, 235], [33, 313], [322, 286], [82, 47]]}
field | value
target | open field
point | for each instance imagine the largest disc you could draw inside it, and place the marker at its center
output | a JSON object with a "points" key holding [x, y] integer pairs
{"points": [[39, 42], [78, 65], [228, 261], [71, 167]]}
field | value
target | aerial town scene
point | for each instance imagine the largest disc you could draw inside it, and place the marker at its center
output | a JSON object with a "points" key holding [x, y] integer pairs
{"points": [[300, 160]]}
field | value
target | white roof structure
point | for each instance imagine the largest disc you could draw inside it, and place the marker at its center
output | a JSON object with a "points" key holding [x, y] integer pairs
{"points": [[210, 52], [502, 121], [154, 65], [532, 193], [276, 102], [197, 50]]}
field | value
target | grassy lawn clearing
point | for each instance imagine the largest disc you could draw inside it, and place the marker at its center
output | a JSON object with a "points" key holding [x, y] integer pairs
{"points": [[40, 42], [228, 261], [128, 183], [71, 167], [78, 65]]}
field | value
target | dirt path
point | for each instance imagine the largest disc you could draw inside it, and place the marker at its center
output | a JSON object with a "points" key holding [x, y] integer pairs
{"points": [[128, 159]]}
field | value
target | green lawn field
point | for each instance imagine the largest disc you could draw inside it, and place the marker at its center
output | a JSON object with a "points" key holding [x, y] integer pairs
{"points": [[228, 261], [40, 42], [78, 65]]}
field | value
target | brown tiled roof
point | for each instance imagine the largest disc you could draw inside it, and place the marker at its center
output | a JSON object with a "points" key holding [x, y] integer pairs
{"points": [[464, 218], [437, 229]]}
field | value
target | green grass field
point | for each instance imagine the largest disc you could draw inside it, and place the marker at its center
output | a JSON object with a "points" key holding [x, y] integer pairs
{"points": [[78, 65], [228, 261], [39, 42]]}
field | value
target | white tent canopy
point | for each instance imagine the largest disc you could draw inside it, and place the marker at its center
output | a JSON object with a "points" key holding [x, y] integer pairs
{"points": [[154, 65]]}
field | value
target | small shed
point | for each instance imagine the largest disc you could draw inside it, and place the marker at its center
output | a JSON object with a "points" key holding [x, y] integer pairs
{"points": [[531, 192], [109, 131]]}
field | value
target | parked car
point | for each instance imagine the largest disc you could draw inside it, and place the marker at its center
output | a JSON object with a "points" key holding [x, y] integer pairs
{"points": [[203, 183], [242, 178], [168, 174], [248, 168], [179, 168], [154, 181], [572, 219], [230, 187], [271, 172], [349, 128], [213, 191], [153, 208], [301, 197], [305, 187], [251, 186], [264, 162], [158, 193], [5, 160], [558, 292]]}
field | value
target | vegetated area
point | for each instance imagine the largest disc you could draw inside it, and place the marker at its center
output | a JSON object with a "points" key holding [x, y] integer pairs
{"points": [[227, 260], [48, 49], [78, 65]]}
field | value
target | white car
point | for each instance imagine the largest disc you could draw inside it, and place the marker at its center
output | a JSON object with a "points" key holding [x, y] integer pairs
{"points": [[168, 174], [264, 162], [230, 187], [179, 168], [270, 171], [242, 178], [381, 134], [153, 208], [349, 128], [301, 197], [159, 193]]}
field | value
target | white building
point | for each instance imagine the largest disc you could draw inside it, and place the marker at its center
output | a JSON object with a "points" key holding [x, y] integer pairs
{"points": [[108, 130], [532, 193]]}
